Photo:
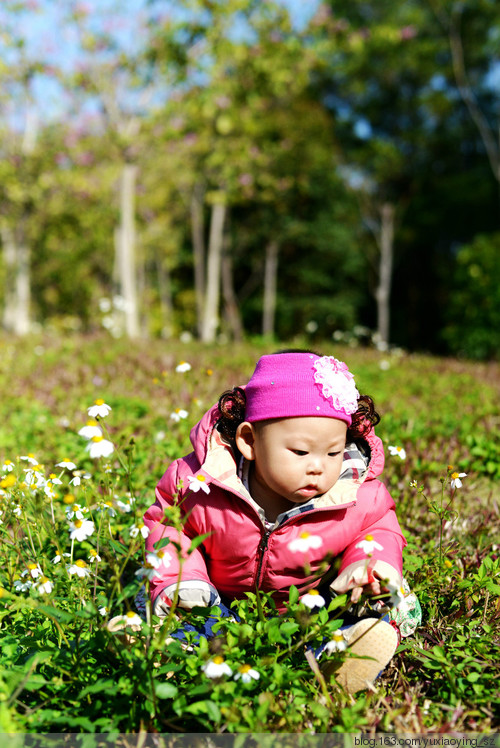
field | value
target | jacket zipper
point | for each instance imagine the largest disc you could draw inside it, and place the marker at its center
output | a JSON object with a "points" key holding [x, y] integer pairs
{"points": [[260, 551]]}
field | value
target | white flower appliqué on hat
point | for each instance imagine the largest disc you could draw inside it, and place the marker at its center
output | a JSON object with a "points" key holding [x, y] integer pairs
{"points": [[336, 382]]}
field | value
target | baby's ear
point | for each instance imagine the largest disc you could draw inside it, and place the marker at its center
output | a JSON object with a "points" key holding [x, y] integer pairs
{"points": [[245, 440]]}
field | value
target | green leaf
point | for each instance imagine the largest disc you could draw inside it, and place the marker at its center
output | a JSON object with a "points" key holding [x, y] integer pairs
{"points": [[293, 595], [207, 707], [165, 690], [288, 628], [162, 543], [198, 541]]}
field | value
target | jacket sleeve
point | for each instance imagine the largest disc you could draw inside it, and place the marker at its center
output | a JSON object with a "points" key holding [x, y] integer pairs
{"points": [[377, 548], [191, 577]]}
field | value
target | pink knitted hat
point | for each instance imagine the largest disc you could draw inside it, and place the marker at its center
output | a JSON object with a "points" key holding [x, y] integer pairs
{"points": [[287, 385]]}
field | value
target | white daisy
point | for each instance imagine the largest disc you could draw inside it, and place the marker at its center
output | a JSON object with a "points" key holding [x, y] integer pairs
{"points": [[98, 446], [159, 558], [304, 542], [247, 674], [76, 511], [398, 451], [66, 464], [137, 528], [216, 667], [29, 458], [183, 367], [178, 415], [455, 479], [313, 599], [148, 571], [336, 644], [81, 529], [198, 483], [33, 570], [44, 586], [99, 409], [90, 429], [79, 568], [21, 586], [368, 545], [94, 557]]}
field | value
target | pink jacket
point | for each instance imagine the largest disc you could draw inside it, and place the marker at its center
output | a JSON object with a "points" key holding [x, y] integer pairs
{"points": [[239, 554]]}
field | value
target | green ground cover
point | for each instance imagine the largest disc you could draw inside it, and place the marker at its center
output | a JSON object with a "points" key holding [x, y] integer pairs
{"points": [[62, 669]]}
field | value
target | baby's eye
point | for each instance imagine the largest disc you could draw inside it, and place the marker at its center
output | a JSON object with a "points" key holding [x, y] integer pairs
{"points": [[333, 454], [299, 452]]}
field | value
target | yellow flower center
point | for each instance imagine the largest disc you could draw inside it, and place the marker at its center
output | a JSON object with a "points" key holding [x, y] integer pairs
{"points": [[369, 537], [32, 566], [218, 660], [8, 482], [304, 534], [337, 637], [209, 372], [78, 523], [81, 563], [97, 438], [69, 499], [454, 476], [313, 592], [99, 402], [201, 478], [92, 422], [244, 668], [448, 563], [44, 580], [130, 614]]}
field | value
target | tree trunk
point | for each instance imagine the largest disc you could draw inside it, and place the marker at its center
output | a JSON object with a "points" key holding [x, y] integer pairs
{"points": [[231, 310], [16, 314], [383, 291], [270, 286], [166, 303], [210, 320], [125, 249], [197, 237]]}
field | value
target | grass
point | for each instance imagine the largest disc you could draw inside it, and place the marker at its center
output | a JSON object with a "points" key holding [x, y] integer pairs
{"points": [[61, 669]]}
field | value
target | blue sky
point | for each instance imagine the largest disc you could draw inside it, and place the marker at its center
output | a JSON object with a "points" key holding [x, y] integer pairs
{"points": [[47, 36]]}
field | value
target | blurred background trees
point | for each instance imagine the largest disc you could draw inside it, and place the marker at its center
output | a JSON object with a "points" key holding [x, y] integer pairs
{"points": [[227, 168]]}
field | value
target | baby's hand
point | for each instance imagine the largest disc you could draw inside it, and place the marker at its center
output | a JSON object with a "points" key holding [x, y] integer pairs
{"points": [[371, 589]]}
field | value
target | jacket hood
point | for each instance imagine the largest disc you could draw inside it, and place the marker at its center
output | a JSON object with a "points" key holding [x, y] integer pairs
{"points": [[217, 461]]}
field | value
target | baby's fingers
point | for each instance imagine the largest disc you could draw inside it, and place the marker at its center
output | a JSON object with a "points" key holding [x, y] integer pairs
{"points": [[356, 594]]}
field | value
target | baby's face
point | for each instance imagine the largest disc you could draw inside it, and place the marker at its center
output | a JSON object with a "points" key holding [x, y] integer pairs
{"points": [[298, 458]]}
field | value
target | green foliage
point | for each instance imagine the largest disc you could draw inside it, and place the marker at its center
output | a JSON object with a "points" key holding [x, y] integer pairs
{"points": [[72, 656], [474, 300]]}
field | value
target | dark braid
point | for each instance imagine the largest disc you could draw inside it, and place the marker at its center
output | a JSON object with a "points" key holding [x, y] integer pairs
{"points": [[232, 405], [364, 419]]}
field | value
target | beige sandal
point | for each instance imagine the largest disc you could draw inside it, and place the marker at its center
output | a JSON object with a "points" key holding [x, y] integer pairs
{"points": [[372, 639]]}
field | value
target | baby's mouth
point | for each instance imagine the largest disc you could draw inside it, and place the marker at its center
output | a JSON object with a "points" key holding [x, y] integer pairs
{"points": [[309, 490]]}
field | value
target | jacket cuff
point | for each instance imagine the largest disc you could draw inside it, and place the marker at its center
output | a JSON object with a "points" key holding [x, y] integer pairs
{"points": [[191, 594], [360, 573]]}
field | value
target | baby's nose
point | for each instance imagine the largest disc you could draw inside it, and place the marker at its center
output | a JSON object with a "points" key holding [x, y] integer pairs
{"points": [[315, 466]]}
